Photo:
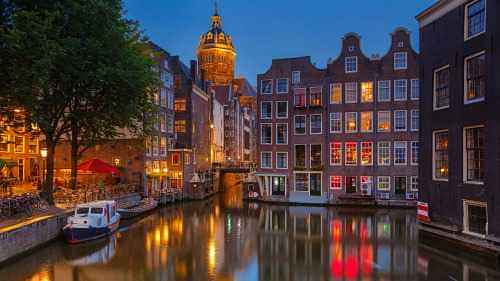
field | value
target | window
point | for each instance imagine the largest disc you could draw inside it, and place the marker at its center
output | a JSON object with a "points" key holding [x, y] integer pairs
{"points": [[266, 87], [315, 155], [336, 182], [335, 154], [400, 90], [282, 133], [266, 159], [4, 143], [282, 160], [384, 153], [367, 92], [315, 96], [400, 153], [351, 122], [400, 120], [300, 155], [300, 124], [440, 144], [366, 122], [474, 154], [176, 159], [336, 93], [278, 185], [295, 77], [442, 88], [351, 92], [414, 183], [180, 105], [266, 110], [367, 153], [266, 132], [475, 217], [336, 122], [366, 184], [414, 153], [351, 184], [180, 126], [281, 109], [299, 97], [415, 119], [400, 60], [351, 64], [415, 89], [302, 182], [315, 182], [384, 121], [384, 183], [351, 154], [282, 86], [316, 124], [400, 185], [384, 90], [19, 144], [475, 78], [475, 19]]}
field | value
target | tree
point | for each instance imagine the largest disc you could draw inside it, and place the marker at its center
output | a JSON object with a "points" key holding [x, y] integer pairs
{"points": [[69, 63]]}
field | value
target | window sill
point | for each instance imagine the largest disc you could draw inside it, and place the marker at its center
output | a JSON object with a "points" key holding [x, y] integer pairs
{"points": [[440, 108], [474, 182], [440, 180], [473, 234], [478, 100], [474, 36]]}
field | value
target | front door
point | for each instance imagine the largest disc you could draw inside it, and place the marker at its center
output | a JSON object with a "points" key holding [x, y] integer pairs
{"points": [[350, 185], [278, 186], [400, 186]]}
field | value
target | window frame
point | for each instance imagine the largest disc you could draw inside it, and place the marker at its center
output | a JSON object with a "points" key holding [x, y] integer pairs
{"points": [[310, 154], [411, 183], [355, 64], [261, 157], [465, 158], [287, 86], [345, 152], [466, 229], [310, 124], [371, 145], [339, 119], [341, 186], [261, 134], [295, 94], [389, 119], [405, 91], [295, 155], [286, 136], [389, 83], [261, 111], [286, 158], [370, 113], [405, 64], [412, 82], [355, 100], [277, 112], [362, 92], [434, 133], [405, 120], [466, 20], [412, 160], [379, 163], [395, 154], [295, 123], [346, 130], [388, 189], [412, 113], [262, 89], [434, 88], [332, 86], [332, 144], [294, 81], [480, 99]]}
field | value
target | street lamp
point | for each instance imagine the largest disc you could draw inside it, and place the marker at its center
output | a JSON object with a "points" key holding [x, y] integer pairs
{"points": [[43, 153]]}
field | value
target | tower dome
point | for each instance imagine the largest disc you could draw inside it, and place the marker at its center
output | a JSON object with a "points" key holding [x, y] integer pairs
{"points": [[216, 53]]}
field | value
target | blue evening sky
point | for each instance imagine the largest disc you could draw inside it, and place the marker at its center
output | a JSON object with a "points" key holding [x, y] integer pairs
{"points": [[267, 29]]}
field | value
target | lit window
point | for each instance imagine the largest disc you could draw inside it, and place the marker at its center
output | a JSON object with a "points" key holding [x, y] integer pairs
{"points": [[282, 133], [176, 159], [180, 105], [475, 78], [367, 92], [315, 96], [384, 183], [300, 124], [351, 64], [295, 77], [366, 122], [266, 159], [282, 86], [384, 90], [400, 60], [300, 156], [4, 143], [336, 182], [315, 155], [475, 18], [299, 97], [316, 124], [474, 161], [440, 155], [400, 90], [336, 122], [335, 154], [180, 126], [384, 121], [400, 153], [351, 92], [400, 120], [366, 153], [336, 93], [19, 144], [266, 110], [442, 88], [281, 109], [351, 154], [266, 87], [415, 89], [351, 122], [282, 160], [266, 131], [415, 120], [384, 153], [414, 153]]}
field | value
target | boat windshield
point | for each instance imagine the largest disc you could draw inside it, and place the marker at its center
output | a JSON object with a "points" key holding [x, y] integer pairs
{"points": [[96, 211], [82, 211]]}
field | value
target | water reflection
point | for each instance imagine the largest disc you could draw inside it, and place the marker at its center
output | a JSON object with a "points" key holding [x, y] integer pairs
{"points": [[230, 240]]}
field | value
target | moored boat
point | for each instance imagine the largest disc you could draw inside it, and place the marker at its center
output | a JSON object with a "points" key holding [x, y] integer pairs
{"points": [[144, 206], [91, 221]]}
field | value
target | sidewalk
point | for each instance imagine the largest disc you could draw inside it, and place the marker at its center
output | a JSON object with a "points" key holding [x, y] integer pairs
{"points": [[22, 220]]}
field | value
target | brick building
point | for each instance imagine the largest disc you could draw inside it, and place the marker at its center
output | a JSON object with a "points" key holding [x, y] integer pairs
{"points": [[349, 131], [460, 119]]}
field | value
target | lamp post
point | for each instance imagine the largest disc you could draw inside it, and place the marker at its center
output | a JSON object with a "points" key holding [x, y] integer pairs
{"points": [[43, 153]]}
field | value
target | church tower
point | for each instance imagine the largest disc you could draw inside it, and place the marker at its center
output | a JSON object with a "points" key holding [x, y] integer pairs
{"points": [[216, 54]]}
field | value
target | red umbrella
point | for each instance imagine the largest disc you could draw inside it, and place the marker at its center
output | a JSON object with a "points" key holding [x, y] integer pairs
{"points": [[97, 166]]}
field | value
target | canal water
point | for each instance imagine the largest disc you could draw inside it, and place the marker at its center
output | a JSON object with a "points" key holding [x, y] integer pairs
{"points": [[226, 239]]}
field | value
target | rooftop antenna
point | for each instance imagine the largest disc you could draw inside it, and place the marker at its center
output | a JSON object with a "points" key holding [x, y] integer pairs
{"points": [[216, 7]]}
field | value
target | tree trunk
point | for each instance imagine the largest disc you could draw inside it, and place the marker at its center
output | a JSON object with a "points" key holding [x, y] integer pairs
{"points": [[74, 154], [48, 185]]}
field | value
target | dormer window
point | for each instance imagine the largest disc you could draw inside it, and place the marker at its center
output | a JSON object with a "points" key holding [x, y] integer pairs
{"points": [[209, 36], [400, 60], [401, 44], [351, 64]]}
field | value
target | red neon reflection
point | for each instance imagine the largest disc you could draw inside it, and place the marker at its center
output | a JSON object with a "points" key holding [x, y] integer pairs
{"points": [[366, 259], [336, 229], [351, 267]]}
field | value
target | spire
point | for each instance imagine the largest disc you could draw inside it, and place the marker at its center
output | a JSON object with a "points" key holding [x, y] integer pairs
{"points": [[216, 20], [216, 8]]}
